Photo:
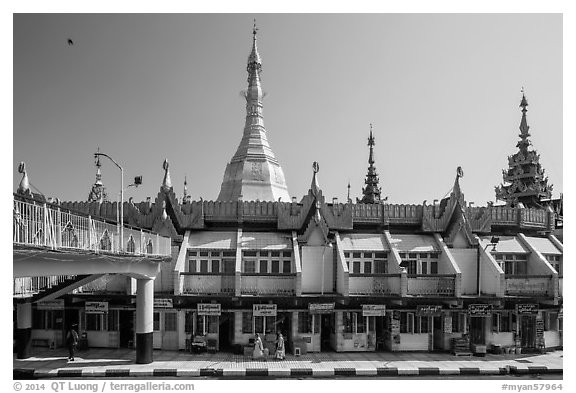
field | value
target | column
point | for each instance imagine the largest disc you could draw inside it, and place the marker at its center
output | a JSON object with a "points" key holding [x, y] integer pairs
{"points": [[144, 320], [23, 330]]}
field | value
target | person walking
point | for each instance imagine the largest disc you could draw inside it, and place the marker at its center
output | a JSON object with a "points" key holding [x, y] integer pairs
{"points": [[72, 341], [258, 348], [280, 348]]}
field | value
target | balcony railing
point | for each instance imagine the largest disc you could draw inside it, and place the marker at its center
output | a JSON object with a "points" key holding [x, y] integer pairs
{"points": [[431, 284], [46, 225], [207, 284], [525, 285], [374, 284], [28, 286], [267, 284]]}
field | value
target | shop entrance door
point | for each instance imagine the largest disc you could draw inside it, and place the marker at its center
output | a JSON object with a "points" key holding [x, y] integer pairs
{"points": [[437, 339], [477, 331], [325, 329], [380, 332], [226, 321], [126, 318], [528, 331]]}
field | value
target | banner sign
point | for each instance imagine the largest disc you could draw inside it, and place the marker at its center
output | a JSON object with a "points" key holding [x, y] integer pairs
{"points": [[57, 304], [261, 310], [163, 303], [209, 309], [320, 308], [527, 309], [96, 307], [373, 310], [480, 310], [429, 310]]}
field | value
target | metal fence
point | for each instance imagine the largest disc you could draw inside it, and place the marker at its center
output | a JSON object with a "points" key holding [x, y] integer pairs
{"points": [[42, 224]]}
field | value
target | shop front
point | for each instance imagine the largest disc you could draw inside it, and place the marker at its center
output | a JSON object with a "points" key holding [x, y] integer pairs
{"points": [[526, 330], [480, 316]]}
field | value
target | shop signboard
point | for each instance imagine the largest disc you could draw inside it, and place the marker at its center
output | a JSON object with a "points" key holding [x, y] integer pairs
{"points": [[527, 309], [373, 310], [320, 308], [96, 307], [264, 310], [163, 303], [429, 310], [540, 333], [209, 309], [57, 304], [480, 310]]}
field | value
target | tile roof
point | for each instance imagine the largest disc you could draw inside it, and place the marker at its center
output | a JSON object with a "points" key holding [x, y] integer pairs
{"points": [[506, 244], [544, 245], [415, 243], [212, 240], [364, 241], [266, 241]]}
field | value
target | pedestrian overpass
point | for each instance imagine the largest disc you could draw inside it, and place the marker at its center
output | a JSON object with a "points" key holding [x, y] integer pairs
{"points": [[57, 250]]}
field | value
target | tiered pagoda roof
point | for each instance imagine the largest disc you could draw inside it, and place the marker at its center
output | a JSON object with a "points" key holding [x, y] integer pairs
{"points": [[524, 181]]}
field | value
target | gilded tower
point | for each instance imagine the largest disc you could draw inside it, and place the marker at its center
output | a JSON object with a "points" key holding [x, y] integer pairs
{"points": [[254, 173], [524, 180]]}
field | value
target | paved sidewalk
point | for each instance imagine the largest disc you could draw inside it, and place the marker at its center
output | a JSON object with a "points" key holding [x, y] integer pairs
{"points": [[109, 363]]}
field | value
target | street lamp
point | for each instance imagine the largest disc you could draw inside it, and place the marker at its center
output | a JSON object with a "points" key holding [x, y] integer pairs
{"points": [[96, 155], [493, 242]]}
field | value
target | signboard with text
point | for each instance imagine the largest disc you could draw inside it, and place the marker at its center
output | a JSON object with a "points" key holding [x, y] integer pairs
{"points": [[96, 307], [429, 310], [264, 310], [480, 310], [320, 308], [163, 303], [57, 304], [209, 309], [527, 309], [373, 310]]}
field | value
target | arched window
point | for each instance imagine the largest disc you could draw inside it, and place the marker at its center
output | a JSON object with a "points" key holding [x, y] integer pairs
{"points": [[105, 243], [131, 245], [69, 238]]}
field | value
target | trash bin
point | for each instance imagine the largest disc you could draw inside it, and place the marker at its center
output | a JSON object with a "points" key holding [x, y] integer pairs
{"points": [[83, 342]]}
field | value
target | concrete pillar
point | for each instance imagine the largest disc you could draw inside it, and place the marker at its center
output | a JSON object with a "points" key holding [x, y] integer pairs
{"points": [[23, 330], [144, 320]]}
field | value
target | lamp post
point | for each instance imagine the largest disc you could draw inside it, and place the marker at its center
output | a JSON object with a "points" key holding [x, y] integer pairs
{"points": [[96, 155], [493, 242]]}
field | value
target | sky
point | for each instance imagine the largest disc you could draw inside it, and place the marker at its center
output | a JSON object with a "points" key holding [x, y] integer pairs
{"points": [[440, 90]]}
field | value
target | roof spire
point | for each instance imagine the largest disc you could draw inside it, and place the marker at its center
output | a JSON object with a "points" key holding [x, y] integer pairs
{"points": [[524, 181], [24, 187], [371, 191], [186, 197], [167, 182], [98, 191], [254, 172], [315, 187]]}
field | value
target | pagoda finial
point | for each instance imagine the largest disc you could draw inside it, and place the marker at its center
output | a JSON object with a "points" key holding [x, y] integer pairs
{"points": [[24, 187], [167, 182], [348, 198], [98, 191], [371, 193], [315, 187]]}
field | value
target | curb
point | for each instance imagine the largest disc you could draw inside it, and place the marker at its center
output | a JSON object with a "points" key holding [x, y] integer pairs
{"points": [[285, 373]]}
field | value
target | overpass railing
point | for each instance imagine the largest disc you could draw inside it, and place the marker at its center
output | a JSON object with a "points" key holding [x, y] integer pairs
{"points": [[47, 225]]}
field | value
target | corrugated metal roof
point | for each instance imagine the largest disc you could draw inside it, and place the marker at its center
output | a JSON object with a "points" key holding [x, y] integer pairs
{"points": [[212, 240], [508, 244], [544, 245], [266, 241], [415, 243], [363, 241]]}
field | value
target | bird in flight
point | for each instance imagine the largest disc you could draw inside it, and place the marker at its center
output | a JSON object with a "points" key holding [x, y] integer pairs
{"points": [[70, 42]]}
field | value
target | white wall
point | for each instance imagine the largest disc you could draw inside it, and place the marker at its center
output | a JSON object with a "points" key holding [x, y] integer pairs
{"points": [[466, 259], [313, 269]]}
